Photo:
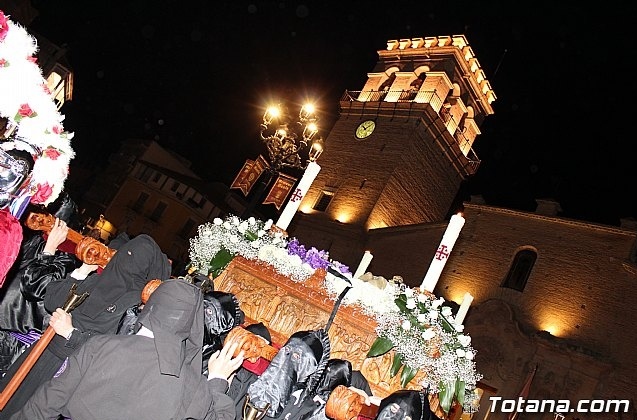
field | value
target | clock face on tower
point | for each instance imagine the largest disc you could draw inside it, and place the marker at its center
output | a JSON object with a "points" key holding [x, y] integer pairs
{"points": [[365, 129]]}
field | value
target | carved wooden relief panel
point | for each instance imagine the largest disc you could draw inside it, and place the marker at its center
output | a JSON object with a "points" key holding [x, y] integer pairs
{"points": [[285, 307]]}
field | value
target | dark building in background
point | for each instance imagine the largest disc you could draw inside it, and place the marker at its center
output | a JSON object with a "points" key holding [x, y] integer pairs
{"points": [[148, 189]]}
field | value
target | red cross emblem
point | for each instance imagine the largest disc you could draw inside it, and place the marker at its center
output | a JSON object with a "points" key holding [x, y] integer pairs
{"points": [[297, 195], [442, 252]]}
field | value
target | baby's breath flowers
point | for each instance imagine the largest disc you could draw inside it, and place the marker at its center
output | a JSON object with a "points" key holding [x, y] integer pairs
{"points": [[219, 241], [424, 336], [416, 324]]}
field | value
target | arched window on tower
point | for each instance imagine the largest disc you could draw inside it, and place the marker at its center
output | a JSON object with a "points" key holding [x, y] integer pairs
{"points": [[385, 87], [415, 86], [520, 269]]}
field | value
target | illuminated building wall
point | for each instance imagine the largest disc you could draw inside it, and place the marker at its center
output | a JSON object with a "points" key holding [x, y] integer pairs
{"points": [[573, 317]]}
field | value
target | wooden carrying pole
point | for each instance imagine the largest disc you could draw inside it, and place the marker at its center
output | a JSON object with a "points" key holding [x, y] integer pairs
{"points": [[72, 301], [342, 404], [26, 366], [88, 250]]}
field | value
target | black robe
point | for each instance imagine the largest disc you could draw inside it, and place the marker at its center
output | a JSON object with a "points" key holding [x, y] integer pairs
{"points": [[21, 297], [117, 377], [111, 293], [137, 376]]}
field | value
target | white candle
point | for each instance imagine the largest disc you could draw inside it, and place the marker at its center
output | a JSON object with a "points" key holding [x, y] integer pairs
{"points": [[362, 266], [442, 253], [464, 307], [297, 195]]}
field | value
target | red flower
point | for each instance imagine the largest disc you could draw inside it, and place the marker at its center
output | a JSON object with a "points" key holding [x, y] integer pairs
{"points": [[42, 194], [52, 153], [4, 26], [3, 62], [57, 129], [25, 110]]}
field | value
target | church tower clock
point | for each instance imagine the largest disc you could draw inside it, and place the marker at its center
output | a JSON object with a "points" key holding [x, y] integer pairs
{"points": [[402, 145]]}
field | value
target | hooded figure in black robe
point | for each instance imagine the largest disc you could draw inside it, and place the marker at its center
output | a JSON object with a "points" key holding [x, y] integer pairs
{"points": [[405, 405], [338, 372], [222, 313], [151, 375], [22, 314], [293, 375], [111, 293]]}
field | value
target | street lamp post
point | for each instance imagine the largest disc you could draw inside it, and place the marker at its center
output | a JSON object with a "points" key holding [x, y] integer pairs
{"points": [[285, 140]]}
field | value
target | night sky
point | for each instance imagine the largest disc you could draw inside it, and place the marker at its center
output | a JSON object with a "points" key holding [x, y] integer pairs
{"points": [[196, 76]]}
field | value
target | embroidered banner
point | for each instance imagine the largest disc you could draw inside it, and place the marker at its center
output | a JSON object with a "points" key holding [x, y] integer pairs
{"points": [[239, 180], [280, 190], [249, 174], [257, 169]]}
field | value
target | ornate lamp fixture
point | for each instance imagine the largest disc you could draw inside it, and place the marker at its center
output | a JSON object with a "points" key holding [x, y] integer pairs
{"points": [[285, 139]]}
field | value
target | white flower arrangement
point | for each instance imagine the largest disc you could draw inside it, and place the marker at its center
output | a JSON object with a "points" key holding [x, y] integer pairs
{"points": [[217, 242], [291, 266], [424, 335], [363, 294], [414, 323], [223, 239], [27, 104]]}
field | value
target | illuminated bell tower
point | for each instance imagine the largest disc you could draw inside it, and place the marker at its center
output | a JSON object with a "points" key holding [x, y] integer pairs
{"points": [[402, 145]]}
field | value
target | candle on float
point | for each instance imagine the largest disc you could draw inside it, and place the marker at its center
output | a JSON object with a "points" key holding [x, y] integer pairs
{"points": [[464, 307], [442, 253], [297, 196], [362, 266]]}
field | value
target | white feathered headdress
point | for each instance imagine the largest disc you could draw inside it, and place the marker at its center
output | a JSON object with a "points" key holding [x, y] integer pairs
{"points": [[26, 102]]}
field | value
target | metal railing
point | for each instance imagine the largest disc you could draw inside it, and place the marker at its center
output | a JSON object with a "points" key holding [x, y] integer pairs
{"points": [[410, 95]]}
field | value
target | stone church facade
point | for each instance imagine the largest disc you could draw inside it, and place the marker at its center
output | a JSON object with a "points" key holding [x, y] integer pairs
{"points": [[551, 294]]}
